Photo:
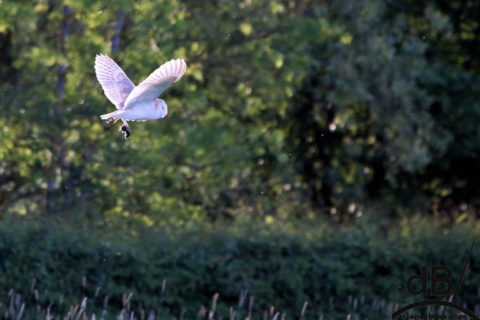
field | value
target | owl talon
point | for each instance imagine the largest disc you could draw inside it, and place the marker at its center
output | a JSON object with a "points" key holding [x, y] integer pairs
{"points": [[125, 130]]}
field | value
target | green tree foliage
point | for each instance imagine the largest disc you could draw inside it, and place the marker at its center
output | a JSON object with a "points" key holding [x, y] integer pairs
{"points": [[288, 108]]}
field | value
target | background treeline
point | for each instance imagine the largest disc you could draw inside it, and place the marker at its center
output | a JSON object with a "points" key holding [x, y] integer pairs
{"points": [[288, 109]]}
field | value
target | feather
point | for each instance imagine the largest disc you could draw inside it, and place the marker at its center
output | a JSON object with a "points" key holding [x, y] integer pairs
{"points": [[157, 82], [115, 83]]}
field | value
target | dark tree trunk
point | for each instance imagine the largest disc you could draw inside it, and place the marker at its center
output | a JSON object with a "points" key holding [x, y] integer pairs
{"points": [[57, 147], [62, 69], [6, 71], [118, 31]]}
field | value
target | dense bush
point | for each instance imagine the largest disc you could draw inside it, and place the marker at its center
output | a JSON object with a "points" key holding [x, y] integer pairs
{"points": [[280, 267]]}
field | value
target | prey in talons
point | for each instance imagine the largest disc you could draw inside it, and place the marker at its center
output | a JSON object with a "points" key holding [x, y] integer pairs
{"points": [[125, 130]]}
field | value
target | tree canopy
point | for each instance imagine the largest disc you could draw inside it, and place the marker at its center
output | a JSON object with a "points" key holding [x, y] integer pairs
{"points": [[288, 109]]}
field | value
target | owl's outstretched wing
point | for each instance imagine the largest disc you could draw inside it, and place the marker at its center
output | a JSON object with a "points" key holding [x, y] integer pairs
{"points": [[115, 83], [159, 80]]}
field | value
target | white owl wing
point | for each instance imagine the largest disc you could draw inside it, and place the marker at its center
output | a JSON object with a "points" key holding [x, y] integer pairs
{"points": [[159, 80], [115, 83]]}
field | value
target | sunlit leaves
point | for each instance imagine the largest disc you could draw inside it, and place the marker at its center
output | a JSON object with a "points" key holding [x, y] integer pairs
{"points": [[246, 28]]}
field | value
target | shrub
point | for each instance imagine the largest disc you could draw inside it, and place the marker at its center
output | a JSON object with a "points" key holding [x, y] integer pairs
{"points": [[334, 271]]}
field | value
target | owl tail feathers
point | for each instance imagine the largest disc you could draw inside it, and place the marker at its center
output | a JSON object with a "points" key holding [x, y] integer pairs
{"points": [[110, 115]]}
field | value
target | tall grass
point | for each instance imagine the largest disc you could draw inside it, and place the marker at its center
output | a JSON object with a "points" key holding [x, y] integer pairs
{"points": [[14, 306]]}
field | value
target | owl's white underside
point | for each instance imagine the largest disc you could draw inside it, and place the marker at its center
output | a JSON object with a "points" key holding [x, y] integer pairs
{"points": [[144, 111]]}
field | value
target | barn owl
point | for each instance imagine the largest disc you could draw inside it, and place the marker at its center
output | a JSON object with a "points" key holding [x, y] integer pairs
{"points": [[136, 103]]}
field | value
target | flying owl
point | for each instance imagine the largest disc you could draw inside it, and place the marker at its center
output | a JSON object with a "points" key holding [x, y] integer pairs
{"points": [[136, 103]]}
